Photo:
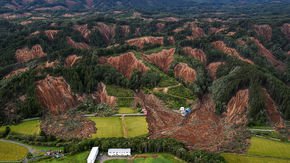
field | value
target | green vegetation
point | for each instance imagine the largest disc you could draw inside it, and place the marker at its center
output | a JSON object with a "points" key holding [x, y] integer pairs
{"points": [[107, 127], [127, 110], [236, 158], [265, 147], [150, 158], [136, 126], [112, 126], [125, 101], [119, 91], [262, 150], [12, 152], [181, 91], [80, 157], [31, 127]]}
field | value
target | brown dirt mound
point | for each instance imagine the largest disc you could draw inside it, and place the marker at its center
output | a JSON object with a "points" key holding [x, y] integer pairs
{"points": [[140, 42], [212, 69], [202, 129], [83, 29], [55, 94], [68, 126], [220, 45], [51, 34], [195, 53], [286, 30], [161, 59], [125, 64], [77, 45], [71, 60], [184, 72], [269, 56], [25, 54], [48, 64], [102, 97], [16, 72], [264, 31]]}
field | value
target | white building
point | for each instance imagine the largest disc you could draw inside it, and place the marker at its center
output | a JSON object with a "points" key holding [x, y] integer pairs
{"points": [[119, 152], [93, 155]]}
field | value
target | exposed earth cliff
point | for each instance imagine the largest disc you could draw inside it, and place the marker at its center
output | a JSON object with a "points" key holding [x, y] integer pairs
{"points": [[184, 72], [161, 59], [25, 54]]}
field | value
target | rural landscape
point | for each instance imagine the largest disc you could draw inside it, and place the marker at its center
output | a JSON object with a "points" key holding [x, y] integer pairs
{"points": [[145, 81]]}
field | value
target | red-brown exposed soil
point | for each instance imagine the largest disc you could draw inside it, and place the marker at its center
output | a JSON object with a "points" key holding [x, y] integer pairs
{"points": [[125, 64], [171, 40], [25, 54], [203, 129], [48, 64], [71, 60], [160, 27], [197, 32], [125, 30], [107, 31], [273, 112], [214, 30], [55, 94], [220, 45], [269, 56], [16, 72], [51, 34], [140, 42], [195, 53], [83, 29], [212, 69], [161, 59], [102, 97], [77, 45], [286, 30], [264, 31], [184, 72]]}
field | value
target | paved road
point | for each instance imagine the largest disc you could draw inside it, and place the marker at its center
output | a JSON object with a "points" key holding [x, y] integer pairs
{"points": [[263, 130]]}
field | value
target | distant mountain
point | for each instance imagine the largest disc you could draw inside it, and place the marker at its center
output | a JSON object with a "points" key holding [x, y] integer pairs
{"points": [[115, 4]]}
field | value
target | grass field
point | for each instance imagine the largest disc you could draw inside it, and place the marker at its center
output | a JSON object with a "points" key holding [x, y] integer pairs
{"points": [[136, 126], [236, 158], [150, 158], [108, 127], [12, 152], [127, 110], [26, 128], [262, 150], [78, 158], [265, 147], [112, 126], [119, 91]]}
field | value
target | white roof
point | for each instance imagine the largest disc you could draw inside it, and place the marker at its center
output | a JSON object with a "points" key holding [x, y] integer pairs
{"points": [[119, 150], [93, 154]]}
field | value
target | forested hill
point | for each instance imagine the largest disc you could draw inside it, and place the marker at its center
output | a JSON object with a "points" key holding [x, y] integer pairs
{"points": [[8, 5]]}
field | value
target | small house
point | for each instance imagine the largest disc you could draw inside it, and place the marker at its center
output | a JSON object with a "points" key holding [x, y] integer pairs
{"points": [[119, 152], [93, 155]]}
